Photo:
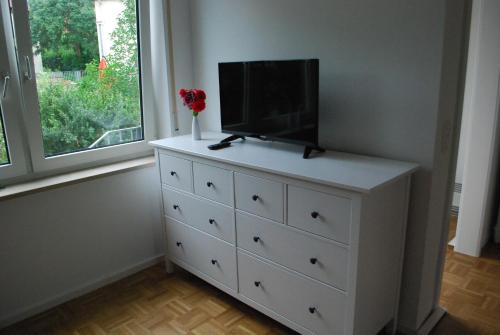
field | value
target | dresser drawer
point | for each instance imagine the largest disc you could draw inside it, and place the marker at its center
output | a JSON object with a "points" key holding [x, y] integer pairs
{"points": [[205, 215], [312, 256], [209, 255], [303, 301], [259, 196], [213, 183], [319, 213], [176, 172]]}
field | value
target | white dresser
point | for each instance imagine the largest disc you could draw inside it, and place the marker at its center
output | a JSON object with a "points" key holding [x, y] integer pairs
{"points": [[316, 244]]}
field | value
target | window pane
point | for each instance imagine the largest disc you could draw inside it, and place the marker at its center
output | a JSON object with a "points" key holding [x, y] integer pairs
{"points": [[87, 71], [4, 155]]}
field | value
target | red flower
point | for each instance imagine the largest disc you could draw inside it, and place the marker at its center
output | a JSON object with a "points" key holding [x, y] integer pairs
{"points": [[189, 98], [200, 94], [198, 106], [194, 99]]}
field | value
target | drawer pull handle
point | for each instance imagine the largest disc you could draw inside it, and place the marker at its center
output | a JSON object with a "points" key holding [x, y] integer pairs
{"points": [[178, 244], [256, 283], [214, 261], [210, 184], [314, 215], [211, 221], [312, 310], [256, 239], [313, 260], [173, 173], [255, 197], [176, 207]]}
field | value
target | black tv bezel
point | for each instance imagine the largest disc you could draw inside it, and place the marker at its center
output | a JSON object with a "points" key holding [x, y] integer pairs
{"points": [[276, 138]]}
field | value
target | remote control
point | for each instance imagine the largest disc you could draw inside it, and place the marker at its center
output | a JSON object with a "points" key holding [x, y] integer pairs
{"points": [[220, 145]]}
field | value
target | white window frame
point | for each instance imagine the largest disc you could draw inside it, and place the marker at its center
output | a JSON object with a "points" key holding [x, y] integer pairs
{"points": [[11, 104], [72, 161]]}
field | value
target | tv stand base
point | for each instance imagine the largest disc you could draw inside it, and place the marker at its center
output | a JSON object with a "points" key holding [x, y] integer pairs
{"points": [[227, 142], [308, 150]]}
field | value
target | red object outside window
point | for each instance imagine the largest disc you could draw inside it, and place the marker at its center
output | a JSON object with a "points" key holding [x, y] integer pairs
{"points": [[102, 65]]}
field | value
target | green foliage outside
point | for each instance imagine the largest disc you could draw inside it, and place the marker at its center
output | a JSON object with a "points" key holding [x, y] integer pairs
{"points": [[74, 114], [64, 33], [3, 147], [124, 53]]}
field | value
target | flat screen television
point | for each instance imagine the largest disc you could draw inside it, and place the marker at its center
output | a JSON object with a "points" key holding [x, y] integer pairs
{"points": [[275, 100]]}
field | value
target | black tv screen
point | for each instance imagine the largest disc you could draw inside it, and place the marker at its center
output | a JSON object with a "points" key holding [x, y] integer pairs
{"points": [[271, 99]]}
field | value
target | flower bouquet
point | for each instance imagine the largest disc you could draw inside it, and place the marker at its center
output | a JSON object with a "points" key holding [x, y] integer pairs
{"points": [[194, 99]]}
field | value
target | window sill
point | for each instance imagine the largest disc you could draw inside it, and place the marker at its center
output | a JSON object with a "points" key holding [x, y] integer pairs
{"points": [[43, 184]]}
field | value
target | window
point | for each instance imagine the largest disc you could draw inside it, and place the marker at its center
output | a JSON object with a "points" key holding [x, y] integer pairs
{"points": [[80, 75], [87, 73]]}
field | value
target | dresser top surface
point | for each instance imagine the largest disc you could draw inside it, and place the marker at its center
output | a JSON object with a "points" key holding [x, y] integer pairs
{"points": [[343, 170]]}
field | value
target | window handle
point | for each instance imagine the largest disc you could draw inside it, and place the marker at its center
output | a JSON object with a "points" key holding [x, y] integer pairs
{"points": [[5, 85], [27, 74]]}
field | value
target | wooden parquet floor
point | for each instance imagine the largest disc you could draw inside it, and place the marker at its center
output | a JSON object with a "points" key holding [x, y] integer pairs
{"points": [[151, 302], [471, 293]]}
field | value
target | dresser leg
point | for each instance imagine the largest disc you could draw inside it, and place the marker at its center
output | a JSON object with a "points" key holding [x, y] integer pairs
{"points": [[169, 266]]}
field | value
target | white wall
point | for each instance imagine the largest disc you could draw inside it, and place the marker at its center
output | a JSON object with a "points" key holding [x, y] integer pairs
{"points": [[481, 125], [106, 16], [375, 78], [61, 242], [459, 172], [380, 77], [459, 175]]}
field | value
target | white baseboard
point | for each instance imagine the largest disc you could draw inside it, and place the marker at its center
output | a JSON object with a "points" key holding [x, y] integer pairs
{"points": [[429, 323], [34, 309]]}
